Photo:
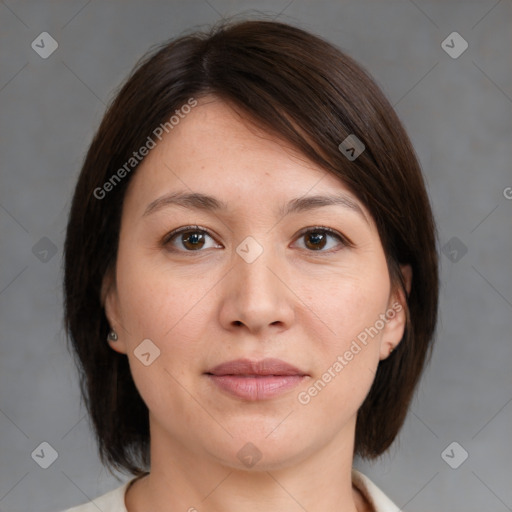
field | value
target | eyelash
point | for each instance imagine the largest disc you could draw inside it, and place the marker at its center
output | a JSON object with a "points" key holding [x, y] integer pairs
{"points": [[315, 229]]}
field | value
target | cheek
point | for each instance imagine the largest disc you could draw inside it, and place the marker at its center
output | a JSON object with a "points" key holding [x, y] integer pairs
{"points": [[351, 303], [348, 351], [169, 312], [172, 310], [154, 301], [347, 355]]}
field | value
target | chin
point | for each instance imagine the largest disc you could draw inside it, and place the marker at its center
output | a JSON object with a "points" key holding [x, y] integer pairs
{"points": [[255, 450]]}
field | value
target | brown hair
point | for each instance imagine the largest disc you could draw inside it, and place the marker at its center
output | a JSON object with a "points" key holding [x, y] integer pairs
{"points": [[306, 92]]}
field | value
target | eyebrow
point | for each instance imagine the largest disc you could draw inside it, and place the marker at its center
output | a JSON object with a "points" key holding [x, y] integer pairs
{"points": [[198, 201]]}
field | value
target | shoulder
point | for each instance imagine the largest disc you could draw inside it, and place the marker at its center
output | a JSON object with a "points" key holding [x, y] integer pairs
{"points": [[379, 501], [112, 501]]}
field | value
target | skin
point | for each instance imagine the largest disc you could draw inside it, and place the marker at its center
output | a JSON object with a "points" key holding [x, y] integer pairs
{"points": [[207, 306]]}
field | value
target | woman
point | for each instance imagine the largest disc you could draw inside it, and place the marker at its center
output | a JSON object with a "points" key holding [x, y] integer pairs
{"points": [[251, 277]]}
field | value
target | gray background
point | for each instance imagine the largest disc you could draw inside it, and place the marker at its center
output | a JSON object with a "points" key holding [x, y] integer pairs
{"points": [[458, 114]]}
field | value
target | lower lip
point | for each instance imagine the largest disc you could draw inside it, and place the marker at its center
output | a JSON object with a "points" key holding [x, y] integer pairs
{"points": [[256, 388]]}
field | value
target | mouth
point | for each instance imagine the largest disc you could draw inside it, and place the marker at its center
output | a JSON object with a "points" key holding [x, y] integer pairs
{"points": [[255, 380]]}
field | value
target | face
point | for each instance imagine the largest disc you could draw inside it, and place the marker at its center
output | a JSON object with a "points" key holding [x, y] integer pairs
{"points": [[254, 315]]}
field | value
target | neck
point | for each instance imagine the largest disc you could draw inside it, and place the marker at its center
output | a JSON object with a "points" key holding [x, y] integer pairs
{"points": [[182, 479]]}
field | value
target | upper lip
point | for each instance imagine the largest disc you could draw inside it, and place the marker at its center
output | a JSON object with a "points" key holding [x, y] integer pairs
{"points": [[269, 366]]}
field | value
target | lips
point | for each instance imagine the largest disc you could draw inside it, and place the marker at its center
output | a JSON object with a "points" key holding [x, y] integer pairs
{"points": [[256, 368], [255, 380]]}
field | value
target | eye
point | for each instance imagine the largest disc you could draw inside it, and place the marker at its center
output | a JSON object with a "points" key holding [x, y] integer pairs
{"points": [[189, 238], [194, 238], [319, 238]]}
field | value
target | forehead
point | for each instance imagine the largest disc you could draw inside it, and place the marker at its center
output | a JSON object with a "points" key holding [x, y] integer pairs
{"points": [[215, 129], [214, 149]]}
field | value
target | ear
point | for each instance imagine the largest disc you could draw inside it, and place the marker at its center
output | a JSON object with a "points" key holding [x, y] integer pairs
{"points": [[110, 302], [396, 315]]}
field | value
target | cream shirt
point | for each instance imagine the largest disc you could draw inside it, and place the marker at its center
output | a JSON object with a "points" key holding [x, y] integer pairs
{"points": [[113, 501]]}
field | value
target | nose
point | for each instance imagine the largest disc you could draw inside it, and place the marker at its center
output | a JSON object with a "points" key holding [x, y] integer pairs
{"points": [[256, 295]]}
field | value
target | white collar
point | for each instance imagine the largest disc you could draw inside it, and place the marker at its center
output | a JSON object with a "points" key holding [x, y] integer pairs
{"points": [[113, 501]]}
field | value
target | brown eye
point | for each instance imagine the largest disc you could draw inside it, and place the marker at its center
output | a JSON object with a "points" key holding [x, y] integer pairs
{"points": [[193, 240], [189, 239], [315, 240], [318, 239]]}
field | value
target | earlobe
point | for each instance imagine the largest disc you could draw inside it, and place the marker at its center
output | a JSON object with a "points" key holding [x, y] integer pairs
{"points": [[109, 301], [113, 341]]}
